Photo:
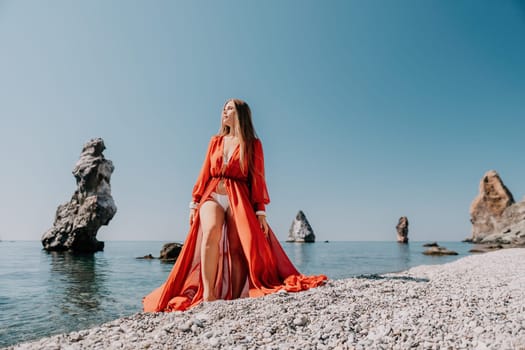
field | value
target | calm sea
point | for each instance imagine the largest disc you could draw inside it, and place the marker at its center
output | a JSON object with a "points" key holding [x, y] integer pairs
{"points": [[45, 293]]}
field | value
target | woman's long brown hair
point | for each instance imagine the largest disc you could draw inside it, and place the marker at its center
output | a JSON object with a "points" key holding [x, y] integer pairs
{"points": [[244, 131]]}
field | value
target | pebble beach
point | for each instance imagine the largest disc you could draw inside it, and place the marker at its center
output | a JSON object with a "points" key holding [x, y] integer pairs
{"points": [[476, 302]]}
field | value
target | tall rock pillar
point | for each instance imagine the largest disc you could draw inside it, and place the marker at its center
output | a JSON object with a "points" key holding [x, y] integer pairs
{"points": [[402, 230], [91, 206]]}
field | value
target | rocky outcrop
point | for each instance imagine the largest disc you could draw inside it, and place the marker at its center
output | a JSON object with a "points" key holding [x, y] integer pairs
{"points": [[402, 230], [437, 250], [485, 248], [146, 257], [495, 217], [170, 251], [301, 231], [91, 206]]}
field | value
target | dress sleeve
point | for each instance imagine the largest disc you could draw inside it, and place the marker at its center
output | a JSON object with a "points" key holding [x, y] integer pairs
{"points": [[259, 191], [204, 175]]}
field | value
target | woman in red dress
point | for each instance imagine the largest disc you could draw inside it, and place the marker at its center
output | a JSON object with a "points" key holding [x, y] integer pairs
{"points": [[230, 251]]}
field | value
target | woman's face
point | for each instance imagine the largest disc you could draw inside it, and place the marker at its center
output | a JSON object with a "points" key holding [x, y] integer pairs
{"points": [[229, 114]]}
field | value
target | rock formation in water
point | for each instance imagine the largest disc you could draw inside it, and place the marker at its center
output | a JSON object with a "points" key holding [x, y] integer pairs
{"points": [[402, 230], [494, 215], [170, 251], [437, 250], [301, 231], [91, 206]]}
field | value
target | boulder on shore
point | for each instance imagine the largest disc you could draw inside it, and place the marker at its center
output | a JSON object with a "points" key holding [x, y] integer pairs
{"points": [[91, 206], [495, 217], [402, 230], [301, 231]]}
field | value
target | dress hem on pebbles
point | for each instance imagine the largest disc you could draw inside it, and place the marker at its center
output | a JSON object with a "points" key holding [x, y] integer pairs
{"points": [[476, 302]]}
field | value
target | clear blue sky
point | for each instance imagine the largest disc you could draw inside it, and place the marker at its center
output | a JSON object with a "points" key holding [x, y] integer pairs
{"points": [[368, 110]]}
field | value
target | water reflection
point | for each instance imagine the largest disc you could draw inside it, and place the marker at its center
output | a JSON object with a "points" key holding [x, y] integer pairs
{"points": [[76, 286], [302, 255], [403, 255]]}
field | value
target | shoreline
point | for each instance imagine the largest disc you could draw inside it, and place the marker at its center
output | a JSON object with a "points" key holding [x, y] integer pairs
{"points": [[473, 302]]}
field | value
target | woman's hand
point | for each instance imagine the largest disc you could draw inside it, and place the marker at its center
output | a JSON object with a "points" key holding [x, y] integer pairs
{"points": [[192, 215], [263, 223]]}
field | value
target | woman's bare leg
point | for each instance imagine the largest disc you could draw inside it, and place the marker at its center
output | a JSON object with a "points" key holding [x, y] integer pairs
{"points": [[212, 218], [239, 265]]}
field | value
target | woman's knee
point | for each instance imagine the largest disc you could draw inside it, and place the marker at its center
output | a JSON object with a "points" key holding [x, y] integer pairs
{"points": [[211, 235]]}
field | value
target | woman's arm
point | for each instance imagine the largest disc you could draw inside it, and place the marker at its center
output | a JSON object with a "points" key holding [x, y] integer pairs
{"points": [[204, 175], [259, 190], [202, 181]]}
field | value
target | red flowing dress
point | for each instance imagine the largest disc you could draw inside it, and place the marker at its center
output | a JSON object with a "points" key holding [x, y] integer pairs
{"points": [[269, 268]]}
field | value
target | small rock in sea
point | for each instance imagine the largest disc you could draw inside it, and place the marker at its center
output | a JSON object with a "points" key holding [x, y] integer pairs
{"points": [[433, 244], [439, 251], [485, 248], [170, 251], [147, 257]]}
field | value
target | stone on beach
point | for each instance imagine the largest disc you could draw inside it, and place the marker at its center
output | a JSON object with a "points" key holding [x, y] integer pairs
{"points": [[475, 302], [91, 206]]}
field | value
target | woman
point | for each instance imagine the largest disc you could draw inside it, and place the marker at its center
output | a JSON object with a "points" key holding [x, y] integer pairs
{"points": [[230, 251]]}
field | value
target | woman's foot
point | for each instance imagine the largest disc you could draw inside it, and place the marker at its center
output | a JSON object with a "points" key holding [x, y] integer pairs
{"points": [[209, 298]]}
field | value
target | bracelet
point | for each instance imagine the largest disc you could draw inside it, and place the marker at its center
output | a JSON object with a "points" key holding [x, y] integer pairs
{"points": [[260, 213], [193, 205]]}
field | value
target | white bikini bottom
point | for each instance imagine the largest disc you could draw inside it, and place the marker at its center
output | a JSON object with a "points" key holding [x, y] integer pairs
{"points": [[222, 200]]}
